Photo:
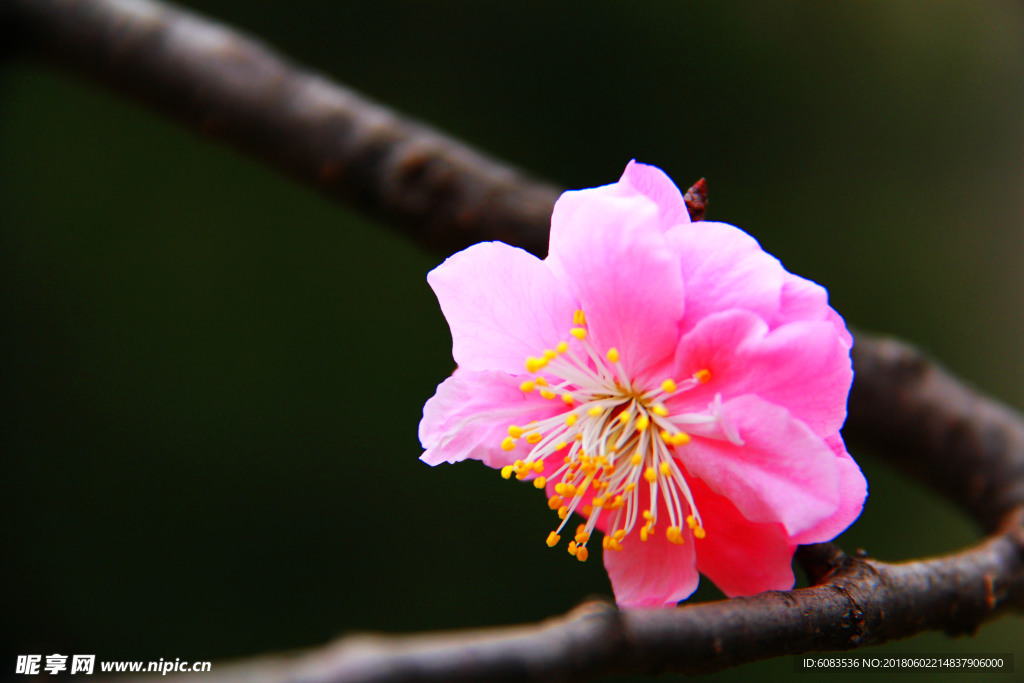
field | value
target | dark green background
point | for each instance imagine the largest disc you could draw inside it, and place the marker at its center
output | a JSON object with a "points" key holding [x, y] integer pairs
{"points": [[212, 377]]}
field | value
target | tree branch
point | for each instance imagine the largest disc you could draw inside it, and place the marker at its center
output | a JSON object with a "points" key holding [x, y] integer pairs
{"points": [[446, 195]]}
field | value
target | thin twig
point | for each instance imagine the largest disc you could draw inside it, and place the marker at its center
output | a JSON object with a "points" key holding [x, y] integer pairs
{"points": [[446, 195]]}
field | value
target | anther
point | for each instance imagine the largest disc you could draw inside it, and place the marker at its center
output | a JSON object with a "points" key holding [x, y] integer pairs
{"points": [[578, 318], [680, 439], [613, 355], [668, 386], [665, 468], [508, 443], [571, 420], [555, 502], [659, 410], [582, 554], [540, 482], [506, 472], [703, 376], [562, 347], [650, 475], [567, 399], [553, 539], [642, 423], [527, 386], [547, 393], [595, 411], [515, 432], [578, 332], [534, 437]]}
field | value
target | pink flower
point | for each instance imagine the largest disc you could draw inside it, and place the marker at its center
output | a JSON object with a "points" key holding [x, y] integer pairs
{"points": [[667, 380]]}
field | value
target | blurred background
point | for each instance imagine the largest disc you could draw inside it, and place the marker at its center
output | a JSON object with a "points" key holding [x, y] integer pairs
{"points": [[212, 377]]}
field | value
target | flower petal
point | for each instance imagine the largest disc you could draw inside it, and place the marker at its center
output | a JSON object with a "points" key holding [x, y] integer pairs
{"points": [[502, 304], [724, 268], [611, 252], [651, 573], [783, 472], [739, 556], [804, 366], [853, 490], [653, 183], [470, 414], [806, 300]]}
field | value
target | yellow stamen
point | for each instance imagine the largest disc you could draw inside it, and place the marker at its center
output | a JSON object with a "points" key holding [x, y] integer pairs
{"points": [[582, 553], [527, 386], [515, 432], [578, 332], [675, 535], [582, 537], [506, 472], [703, 376], [665, 468], [572, 547], [538, 466], [555, 502], [508, 443], [567, 399], [547, 393], [613, 355], [563, 511], [534, 437], [571, 420], [553, 539], [636, 459], [541, 381], [668, 386], [699, 532], [578, 318], [659, 410], [642, 423], [680, 439], [549, 354], [540, 482], [595, 411], [650, 475], [562, 347], [535, 364]]}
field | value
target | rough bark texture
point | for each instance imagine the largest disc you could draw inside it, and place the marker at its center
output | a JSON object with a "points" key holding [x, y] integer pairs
{"points": [[446, 195]]}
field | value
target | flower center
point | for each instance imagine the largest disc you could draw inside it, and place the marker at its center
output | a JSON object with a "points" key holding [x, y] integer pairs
{"points": [[613, 439]]}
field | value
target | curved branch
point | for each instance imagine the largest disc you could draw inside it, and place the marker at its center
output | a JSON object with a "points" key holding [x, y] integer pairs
{"points": [[446, 195], [223, 84]]}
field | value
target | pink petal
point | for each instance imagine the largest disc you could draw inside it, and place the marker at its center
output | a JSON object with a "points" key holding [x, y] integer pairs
{"points": [[611, 252], [502, 304], [804, 366], [739, 556], [470, 414], [853, 490], [724, 268], [651, 573], [782, 473], [806, 300], [653, 183]]}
